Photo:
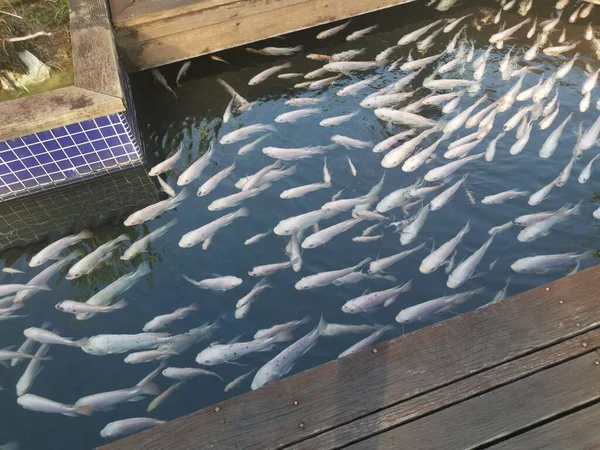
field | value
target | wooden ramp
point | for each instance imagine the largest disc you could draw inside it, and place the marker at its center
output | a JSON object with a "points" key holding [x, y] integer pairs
{"points": [[520, 374], [152, 33]]}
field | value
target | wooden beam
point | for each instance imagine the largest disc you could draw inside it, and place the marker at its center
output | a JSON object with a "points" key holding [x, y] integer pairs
{"points": [[500, 413], [575, 431], [231, 26], [60, 107], [452, 394], [345, 390]]}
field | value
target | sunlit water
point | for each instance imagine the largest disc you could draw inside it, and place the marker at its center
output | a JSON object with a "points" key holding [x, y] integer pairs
{"points": [[195, 118]]}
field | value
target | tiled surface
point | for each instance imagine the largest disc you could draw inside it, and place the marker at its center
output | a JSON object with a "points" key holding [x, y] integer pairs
{"points": [[68, 154]]}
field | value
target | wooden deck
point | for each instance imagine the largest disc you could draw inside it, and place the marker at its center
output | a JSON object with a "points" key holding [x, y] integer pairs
{"points": [[520, 374], [152, 33]]}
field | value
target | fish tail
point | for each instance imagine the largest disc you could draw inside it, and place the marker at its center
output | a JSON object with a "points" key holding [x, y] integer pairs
{"points": [[142, 270], [590, 254], [122, 238], [242, 212], [321, 327], [119, 305], [80, 343], [85, 234], [149, 388], [362, 263], [175, 201]]}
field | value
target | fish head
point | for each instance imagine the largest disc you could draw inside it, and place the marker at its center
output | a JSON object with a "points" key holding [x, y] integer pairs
{"points": [[301, 285], [210, 356], [349, 308], [72, 274], [36, 261], [133, 220], [426, 267], [404, 316]]}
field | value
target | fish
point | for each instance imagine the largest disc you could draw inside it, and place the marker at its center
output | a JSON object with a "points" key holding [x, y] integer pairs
{"points": [[410, 232], [45, 405], [281, 364], [226, 353], [228, 114], [415, 35], [465, 269], [559, 50], [141, 245], [385, 54], [425, 310], [347, 203], [165, 187], [564, 175], [462, 150], [426, 43], [221, 283], [11, 271], [349, 142], [33, 369], [586, 11], [244, 132], [505, 34], [239, 380], [287, 76], [547, 121], [438, 257], [333, 31], [326, 234], [360, 33], [366, 342], [351, 166], [251, 296], [304, 101], [542, 227], [182, 71], [355, 88], [573, 17], [294, 116], [156, 209], [209, 185], [237, 98], [160, 78], [445, 5], [446, 170], [347, 55], [507, 100], [551, 142], [301, 191], [500, 229], [539, 196], [195, 170], [551, 24], [551, 105], [588, 139], [444, 197], [531, 31], [295, 224], [167, 164], [326, 278], [292, 154], [54, 250], [334, 121], [91, 261], [417, 160], [162, 321], [205, 232], [460, 119], [255, 180], [187, 373], [530, 219], [223, 203], [455, 22], [269, 269], [367, 302], [400, 153], [285, 327], [522, 141], [318, 84], [156, 402], [491, 149], [566, 67], [382, 264], [589, 32], [8, 289], [382, 101], [109, 344], [73, 307], [262, 76], [586, 173], [404, 118], [346, 67], [544, 263], [125, 427], [48, 337], [277, 51], [503, 196], [451, 106], [420, 63]]}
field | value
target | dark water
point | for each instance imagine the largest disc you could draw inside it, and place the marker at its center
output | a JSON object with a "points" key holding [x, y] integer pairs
{"points": [[195, 119]]}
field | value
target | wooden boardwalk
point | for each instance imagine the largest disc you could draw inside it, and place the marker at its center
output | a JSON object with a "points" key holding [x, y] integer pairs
{"points": [[520, 374], [152, 33]]}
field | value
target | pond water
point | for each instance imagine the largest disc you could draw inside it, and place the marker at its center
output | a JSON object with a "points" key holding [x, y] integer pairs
{"points": [[195, 118]]}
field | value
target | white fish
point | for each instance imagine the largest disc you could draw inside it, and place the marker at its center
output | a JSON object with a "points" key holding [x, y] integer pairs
{"points": [[349, 142], [420, 63], [237, 98], [255, 180], [91, 261], [301, 191], [351, 166], [325, 278], [73, 307], [437, 257], [256, 238], [545, 89], [564, 175], [295, 224], [531, 31], [333, 31], [367, 302], [187, 373], [334, 121], [415, 35], [550, 25], [158, 76], [277, 51], [522, 141], [336, 329], [530, 219], [384, 100], [54, 250], [444, 197], [347, 203], [347, 55], [149, 356], [392, 140], [451, 106], [109, 344], [425, 310], [454, 23], [404, 118], [245, 132], [452, 44], [269, 269], [209, 185], [33, 369], [501, 294], [224, 283], [589, 32], [41, 404], [167, 164], [417, 160], [355, 88], [586, 173], [346, 67], [505, 34], [491, 149], [207, 231], [237, 381], [292, 154], [142, 244], [228, 114], [546, 122], [360, 33], [551, 105], [48, 337], [445, 5], [182, 71], [125, 427], [590, 82], [400, 153], [588, 139], [539, 196], [477, 118], [426, 43], [156, 209], [382, 264], [410, 232], [465, 270], [499, 229], [293, 116], [573, 17], [159, 399], [446, 170], [395, 198], [551, 142], [528, 93], [318, 84], [235, 199], [544, 263], [281, 364], [509, 5], [262, 76], [566, 67], [11, 271], [385, 54], [285, 327], [462, 150], [462, 117], [366, 342], [253, 294], [326, 234], [586, 11], [302, 101], [163, 320], [503, 196], [225, 353], [165, 187], [509, 98], [195, 170], [542, 227]]}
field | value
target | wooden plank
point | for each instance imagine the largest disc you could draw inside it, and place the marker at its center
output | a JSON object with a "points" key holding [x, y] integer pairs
{"points": [[504, 411], [575, 431], [117, 7], [95, 60], [344, 390], [57, 108], [245, 28], [453, 393]]}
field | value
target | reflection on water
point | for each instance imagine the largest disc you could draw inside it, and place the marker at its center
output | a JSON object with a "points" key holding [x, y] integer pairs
{"points": [[193, 121]]}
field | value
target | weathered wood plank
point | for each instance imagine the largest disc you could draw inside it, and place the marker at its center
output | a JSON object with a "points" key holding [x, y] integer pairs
{"points": [[118, 6], [577, 431], [453, 393], [504, 411], [95, 60], [328, 396], [60, 107], [282, 17], [152, 10]]}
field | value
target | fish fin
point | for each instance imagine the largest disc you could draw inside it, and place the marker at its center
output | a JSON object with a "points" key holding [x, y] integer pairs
{"points": [[235, 339], [119, 305], [5, 364], [9, 348], [85, 410], [149, 388], [236, 363]]}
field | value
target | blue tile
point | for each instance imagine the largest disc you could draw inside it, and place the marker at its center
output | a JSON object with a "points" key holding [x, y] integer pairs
{"points": [[102, 121], [10, 178], [97, 166], [37, 171], [65, 164], [84, 169], [45, 135], [80, 138], [71, 173], [57, 176], [43, 179], [72, 151], [117, 150], [108, 131], [4, 190], [113, 142], [129, 148], [93, 135], [59, 131], [23, 175], [16, 165], [104, 154], [124, 139], [88, 125], [51, 145], [30, 183], [44, 158], [122, 159], [74, 128], [16, 142], [58, 155], [16, 186], [30, 162], [99, 145], [3, 145], [22, 152], [91, 157], [30, 139], [114, 118], [50, 168], [119, 128], [86, 148], [4, 169], [8, 156], [36, 149], [110, 162], [78, 161], [66, 141]]}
